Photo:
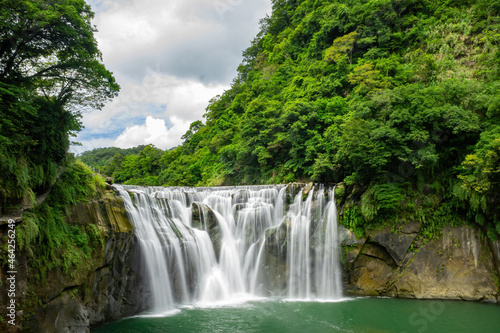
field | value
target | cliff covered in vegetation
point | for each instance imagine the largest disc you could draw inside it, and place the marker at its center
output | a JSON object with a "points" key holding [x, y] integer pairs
{"points": [[397, 100], [50, 71], [76, 260]]}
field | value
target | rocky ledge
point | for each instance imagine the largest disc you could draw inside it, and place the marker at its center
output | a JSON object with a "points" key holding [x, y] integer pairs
{"points": [[106, 287], [462, 264]]}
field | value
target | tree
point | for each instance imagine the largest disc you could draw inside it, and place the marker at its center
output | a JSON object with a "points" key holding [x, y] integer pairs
{"points": [[50, 46], [341, 48], [193, 128], [50, 71], [480, 176]]}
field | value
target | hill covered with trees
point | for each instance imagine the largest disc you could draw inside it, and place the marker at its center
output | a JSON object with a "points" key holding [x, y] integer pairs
{"points": [[99, 157], [398, 100]]}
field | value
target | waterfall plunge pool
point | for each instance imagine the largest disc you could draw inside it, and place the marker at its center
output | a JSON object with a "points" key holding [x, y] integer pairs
{"points": [[355, 315], [203, 248]]}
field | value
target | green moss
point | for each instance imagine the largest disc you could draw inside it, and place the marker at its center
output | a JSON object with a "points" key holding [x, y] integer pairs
{"points": [[31, 301], [45, 234], [339, 192], [345, 253], [497, 281], [353, 220], [95, 235], [116, 214]]}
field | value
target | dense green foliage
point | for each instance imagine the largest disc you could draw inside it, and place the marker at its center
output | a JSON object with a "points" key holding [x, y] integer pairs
{"points": [[100, 157], [397, 99], [138, 166], [45, 234], [50, 71]]}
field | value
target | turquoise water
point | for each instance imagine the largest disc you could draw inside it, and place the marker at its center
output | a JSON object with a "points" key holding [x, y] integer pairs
{"points": [[353, 315]]}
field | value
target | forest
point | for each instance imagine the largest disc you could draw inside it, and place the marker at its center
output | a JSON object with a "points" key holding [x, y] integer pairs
{"points": [[50, 71], [396, 101]]}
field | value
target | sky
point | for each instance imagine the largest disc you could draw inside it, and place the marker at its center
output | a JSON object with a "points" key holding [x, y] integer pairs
{"points": [[170, 57]]}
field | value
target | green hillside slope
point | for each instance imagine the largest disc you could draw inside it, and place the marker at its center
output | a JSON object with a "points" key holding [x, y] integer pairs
{"points": [[400, 100]]}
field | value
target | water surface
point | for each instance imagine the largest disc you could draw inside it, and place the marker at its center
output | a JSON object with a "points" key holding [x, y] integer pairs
{"points": [[363, 315]]}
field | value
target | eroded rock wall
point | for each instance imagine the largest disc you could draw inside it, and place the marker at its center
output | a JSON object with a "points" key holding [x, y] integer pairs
{"points": [[106, 287], [462, 264]]}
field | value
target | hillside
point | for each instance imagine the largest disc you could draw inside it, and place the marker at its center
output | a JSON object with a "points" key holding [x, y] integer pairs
{"points": [[399, 100], [99, 157]]}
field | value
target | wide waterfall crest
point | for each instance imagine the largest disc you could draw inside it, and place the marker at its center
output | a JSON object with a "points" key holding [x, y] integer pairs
{"points": [[210, 246]]}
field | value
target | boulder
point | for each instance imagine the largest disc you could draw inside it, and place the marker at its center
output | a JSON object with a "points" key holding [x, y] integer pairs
{"points": [[204, 218], [396, 244]]}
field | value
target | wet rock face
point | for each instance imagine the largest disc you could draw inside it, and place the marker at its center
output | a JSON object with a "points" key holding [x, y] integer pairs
{"points": [[204, 218], [63, 314], [495, 250], [116, 288], [459, 265], [396, 245], [275, 256]]}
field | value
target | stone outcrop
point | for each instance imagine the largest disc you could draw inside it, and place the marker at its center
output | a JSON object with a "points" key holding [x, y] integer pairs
{"points": [[275, 253], [203, 218], [105, 287], [462, 264]]}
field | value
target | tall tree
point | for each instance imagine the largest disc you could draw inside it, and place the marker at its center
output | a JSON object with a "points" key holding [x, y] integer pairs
{"points": [[50, 71]]}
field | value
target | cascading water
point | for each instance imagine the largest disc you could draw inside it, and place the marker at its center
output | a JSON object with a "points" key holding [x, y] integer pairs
{"points": [[205, 246]]}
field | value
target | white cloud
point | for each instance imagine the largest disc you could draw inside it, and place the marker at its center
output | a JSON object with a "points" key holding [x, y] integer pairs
{"points": [[159, 97], [185, 101], [170, 58], [153, 131], [137, 28]]}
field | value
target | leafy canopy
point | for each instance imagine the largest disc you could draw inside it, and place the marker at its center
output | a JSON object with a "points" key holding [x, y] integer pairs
{"points": [[50, 71]]}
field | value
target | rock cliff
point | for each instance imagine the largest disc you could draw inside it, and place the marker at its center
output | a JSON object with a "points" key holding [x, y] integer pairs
{"points": [[461, 264], [106, 287]]}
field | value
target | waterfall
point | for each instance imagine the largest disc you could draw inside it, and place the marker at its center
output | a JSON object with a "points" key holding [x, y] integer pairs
{"points": [[205, 246]]}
